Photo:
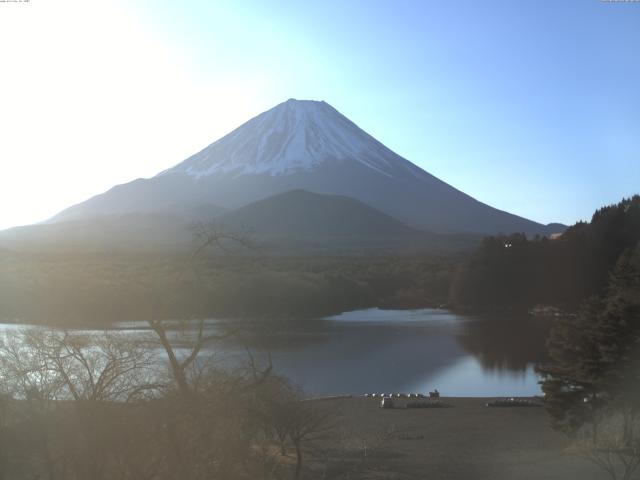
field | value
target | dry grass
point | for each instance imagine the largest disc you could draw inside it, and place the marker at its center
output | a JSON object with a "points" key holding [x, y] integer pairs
{"points": [[467, 441]]}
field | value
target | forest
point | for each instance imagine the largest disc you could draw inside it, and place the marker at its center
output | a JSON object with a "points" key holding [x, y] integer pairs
{"points": [[516, 273], [101, 289], [510, 273]]}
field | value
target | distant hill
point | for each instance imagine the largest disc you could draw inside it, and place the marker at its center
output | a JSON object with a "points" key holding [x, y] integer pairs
{"points": [[299, 213], [303, 221], [299, 221], [133, 232], [130, 232], [294, 222]]}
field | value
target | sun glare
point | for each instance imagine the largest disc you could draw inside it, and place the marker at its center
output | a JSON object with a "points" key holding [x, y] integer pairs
{"points": [[88, 93]]}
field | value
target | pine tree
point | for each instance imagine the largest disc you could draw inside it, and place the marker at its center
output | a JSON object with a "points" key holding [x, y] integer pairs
{"points": [[596, 355], [592, 389]]}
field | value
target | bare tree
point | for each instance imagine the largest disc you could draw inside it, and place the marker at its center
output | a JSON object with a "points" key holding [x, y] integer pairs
{"points": [[614, 445], [180, 365], [102, 406], [198, 442], [292, 420], [70, 392], [59, 365], [207, 236]]}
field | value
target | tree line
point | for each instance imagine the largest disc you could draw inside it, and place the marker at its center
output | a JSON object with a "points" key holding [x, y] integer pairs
{"points": [[516, 273], [591, 382], [76, 290]]}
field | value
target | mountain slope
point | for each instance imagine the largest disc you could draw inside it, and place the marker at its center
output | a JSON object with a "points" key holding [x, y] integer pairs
{"points": [[303, 222], [306, 145], [299, 213], [130, 232], [295, 222]]}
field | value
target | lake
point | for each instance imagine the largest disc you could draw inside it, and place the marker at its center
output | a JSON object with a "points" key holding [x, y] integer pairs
{"points": [[385, 351]]}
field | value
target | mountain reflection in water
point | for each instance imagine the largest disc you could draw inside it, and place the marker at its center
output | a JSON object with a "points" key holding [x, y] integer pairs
{"points": [[405, 351], [382, 351]]}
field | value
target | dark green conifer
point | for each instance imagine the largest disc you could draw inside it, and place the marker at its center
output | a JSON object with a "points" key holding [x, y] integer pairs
{"points": [[596, 355]]}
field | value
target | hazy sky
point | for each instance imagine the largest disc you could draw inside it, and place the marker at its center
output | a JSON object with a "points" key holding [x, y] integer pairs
{"points": [[530, 106]]}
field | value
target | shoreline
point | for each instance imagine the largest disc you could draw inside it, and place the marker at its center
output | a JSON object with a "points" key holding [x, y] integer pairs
{"points": [[467, 441], [425, 398]]}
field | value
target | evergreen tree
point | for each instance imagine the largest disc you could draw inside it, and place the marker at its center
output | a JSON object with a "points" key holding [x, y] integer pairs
{"points": [[592, 389], [514, 272], [596, 355]]}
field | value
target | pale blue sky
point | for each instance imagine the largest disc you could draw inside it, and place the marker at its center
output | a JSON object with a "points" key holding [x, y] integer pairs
{"points": [[530, 106]]}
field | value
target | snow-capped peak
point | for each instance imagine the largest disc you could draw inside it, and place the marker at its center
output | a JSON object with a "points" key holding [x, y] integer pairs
{"points": [[294, 136]]}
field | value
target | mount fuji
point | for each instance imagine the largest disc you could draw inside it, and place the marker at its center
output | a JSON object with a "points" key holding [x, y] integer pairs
{"points": [[343, 181], [309, 145]]}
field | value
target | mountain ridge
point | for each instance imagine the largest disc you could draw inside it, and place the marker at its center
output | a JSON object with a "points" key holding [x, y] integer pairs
{"points": [[309, 145], [296, 222], [320, 133]]}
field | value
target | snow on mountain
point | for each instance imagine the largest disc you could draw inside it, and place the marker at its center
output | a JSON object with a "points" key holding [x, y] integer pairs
{"points": [[295, 136], [308, 145]]}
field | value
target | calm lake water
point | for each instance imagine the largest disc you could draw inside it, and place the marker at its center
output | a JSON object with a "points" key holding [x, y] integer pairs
{"points": [[385, 351], [408, 351]]}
